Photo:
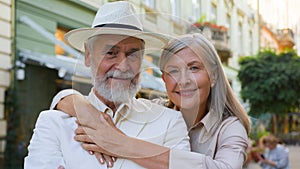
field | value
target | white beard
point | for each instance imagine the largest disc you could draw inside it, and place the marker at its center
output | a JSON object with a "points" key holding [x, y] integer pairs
{"points": [[118, 92]]}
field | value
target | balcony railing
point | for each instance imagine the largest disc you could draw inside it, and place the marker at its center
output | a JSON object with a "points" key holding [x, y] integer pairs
{"points": [[218, 36]]}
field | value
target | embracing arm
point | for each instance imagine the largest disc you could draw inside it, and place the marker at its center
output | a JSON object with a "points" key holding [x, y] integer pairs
{"points": [[144, 153], [159, 159], [116, 144], [64, 101], [230, 152], [96, 129]]}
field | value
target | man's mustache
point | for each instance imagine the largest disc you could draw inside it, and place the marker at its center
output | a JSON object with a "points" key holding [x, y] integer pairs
{"points": [[118, 74]]}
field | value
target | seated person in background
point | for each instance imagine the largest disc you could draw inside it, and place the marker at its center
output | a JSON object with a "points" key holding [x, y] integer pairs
{"points": [[275, 156]]}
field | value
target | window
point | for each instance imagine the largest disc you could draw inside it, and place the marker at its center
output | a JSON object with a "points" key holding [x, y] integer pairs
{"points": [[149, 59], [149, 3], [240, 36], [175, 4], [228, 23], [213, 13], [59, 34], [196, 10]]}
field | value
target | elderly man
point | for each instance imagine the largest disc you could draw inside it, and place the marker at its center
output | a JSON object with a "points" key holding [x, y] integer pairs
{"points": [[114, 48]]}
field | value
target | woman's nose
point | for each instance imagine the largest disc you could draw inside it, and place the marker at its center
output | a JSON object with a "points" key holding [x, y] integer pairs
{"points": [[184, 78]]}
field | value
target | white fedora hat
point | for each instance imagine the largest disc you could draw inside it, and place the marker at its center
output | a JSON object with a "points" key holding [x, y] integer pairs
{"points": [[115, 18]]}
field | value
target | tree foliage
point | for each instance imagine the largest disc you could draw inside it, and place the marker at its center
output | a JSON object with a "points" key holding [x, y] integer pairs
{"points": [[271, 82]]}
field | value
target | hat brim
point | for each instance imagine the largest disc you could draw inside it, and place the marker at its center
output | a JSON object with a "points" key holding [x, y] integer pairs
{"points": [[153, 41]]}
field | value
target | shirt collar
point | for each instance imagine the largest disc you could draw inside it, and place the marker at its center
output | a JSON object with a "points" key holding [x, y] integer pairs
{"points": [[121, 113], [208, 121]]}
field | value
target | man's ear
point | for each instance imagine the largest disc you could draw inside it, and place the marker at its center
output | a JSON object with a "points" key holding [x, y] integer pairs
{"points": [[87, 59]]}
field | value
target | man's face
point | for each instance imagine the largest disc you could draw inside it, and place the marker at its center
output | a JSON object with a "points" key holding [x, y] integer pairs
{"points": [[115, 62]]}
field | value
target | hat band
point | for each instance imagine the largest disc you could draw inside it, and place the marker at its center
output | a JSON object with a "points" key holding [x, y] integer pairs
{"points": [[113, 25]]}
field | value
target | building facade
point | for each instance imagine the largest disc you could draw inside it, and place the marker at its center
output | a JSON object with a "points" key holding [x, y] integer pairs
{"points": [[6, 53], [34, 65]]}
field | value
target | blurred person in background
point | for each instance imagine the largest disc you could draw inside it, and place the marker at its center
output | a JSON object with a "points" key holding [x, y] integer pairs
{"points": [[275, 156]]}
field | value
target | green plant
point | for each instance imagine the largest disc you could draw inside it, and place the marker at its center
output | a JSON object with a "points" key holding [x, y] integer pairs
{"points": [[202, 19], [270, 82]]}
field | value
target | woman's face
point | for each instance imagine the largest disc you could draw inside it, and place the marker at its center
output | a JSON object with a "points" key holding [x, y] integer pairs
{"points": [[187, 81]]}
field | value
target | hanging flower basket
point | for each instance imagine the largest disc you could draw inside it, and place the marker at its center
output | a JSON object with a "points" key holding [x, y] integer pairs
{"points": [[211, 25]]}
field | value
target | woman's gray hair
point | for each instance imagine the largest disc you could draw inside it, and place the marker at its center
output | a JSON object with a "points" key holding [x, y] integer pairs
{"points": [[222, 98]]}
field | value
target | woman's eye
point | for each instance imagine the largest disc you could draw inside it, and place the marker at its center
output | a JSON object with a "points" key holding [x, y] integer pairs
{"points": [[194, 68]]}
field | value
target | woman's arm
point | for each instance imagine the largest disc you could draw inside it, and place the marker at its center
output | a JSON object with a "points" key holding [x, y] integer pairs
{"points": [[144, 153], [230, 152], [66, 104], [93, 124]]}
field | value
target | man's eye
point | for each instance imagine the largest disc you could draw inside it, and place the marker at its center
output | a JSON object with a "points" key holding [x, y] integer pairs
{"points": [[133, 56], [112, 54], [172, 71]]}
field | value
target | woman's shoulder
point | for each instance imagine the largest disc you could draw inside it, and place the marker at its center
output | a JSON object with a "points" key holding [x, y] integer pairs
{"points": [[232, 126], [231, 122]]}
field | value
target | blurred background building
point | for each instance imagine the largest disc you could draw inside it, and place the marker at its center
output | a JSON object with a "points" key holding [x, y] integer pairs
{"points": [[35, 63], [280, 18]]}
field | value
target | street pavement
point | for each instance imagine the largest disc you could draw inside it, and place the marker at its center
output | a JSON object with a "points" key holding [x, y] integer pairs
{"points": [[294, 159]]}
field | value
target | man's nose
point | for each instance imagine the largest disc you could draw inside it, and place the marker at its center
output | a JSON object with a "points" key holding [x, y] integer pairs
{"points": [[122, 63]]}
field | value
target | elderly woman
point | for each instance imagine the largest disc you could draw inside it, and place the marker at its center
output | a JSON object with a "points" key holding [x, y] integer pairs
{"points": [[197, 86]]}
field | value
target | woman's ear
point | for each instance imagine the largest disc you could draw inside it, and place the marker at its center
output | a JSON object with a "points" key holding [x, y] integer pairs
{"points": [[214, 77], [212, 83], [87, 60]]}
